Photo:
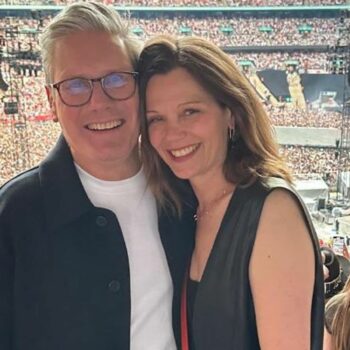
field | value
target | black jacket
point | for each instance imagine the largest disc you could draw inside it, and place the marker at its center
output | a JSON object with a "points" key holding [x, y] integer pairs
{"points": [[64, 272]]}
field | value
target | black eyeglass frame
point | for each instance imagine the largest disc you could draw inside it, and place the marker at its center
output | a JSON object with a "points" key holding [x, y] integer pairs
{"points": [[91, 81]]}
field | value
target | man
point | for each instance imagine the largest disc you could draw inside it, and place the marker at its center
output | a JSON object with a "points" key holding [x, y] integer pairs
{"points": [[82, 265]]}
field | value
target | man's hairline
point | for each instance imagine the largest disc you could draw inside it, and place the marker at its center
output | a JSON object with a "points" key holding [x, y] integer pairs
{"points": [[117, 39]]}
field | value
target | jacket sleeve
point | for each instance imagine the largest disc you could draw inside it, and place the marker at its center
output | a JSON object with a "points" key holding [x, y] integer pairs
{"points": [[6, 283]]}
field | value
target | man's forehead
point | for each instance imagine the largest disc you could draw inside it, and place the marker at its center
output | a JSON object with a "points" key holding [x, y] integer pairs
{"points": [[89, 54], [89, 41]]}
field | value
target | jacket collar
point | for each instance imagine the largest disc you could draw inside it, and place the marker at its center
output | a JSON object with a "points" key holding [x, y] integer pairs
{"points": [[64, 196]]}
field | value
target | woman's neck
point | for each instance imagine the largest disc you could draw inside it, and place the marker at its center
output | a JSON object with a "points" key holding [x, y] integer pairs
{"points": [[210, 190]]}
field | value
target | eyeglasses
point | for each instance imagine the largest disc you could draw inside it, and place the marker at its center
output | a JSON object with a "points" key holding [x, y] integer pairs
{"points": [[76, 92]]}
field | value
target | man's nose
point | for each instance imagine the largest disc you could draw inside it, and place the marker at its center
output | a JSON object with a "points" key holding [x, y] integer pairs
{"points": [[98, 96]]}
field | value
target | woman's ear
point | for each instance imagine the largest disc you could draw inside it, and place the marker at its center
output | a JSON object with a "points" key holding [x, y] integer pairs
{"points": [[231, 120]]}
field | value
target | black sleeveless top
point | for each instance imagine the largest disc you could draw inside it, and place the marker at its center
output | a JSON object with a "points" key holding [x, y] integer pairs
{"points": [[223, 311]]}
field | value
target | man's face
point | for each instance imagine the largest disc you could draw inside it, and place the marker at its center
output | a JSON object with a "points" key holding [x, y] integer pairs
{"points": [[103, 133]]}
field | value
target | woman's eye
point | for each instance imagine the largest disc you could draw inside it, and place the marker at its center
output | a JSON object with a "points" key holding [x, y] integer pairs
{"points": [[190, 111], [153, 119]]}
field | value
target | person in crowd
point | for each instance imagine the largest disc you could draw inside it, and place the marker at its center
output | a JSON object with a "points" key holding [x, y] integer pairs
{"points": [[337, 319], [337, 268], [83, 257], [255, 278]]}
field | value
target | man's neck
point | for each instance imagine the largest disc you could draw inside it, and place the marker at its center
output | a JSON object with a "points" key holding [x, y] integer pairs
{"points": [[112, 171]]}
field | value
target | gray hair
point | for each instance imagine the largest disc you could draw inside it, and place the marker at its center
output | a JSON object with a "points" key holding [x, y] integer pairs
{"points": [[86, 16]]}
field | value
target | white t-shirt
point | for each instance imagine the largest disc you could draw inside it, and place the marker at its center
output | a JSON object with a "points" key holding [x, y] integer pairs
{"points": [[150, 280]]}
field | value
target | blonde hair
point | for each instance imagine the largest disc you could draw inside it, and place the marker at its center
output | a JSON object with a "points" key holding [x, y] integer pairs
{"points": [[253, 155], [86, 16], [339, 326]]}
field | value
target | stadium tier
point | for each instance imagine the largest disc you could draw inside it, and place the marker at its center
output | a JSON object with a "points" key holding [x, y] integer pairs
{"points": [[184, 3]]}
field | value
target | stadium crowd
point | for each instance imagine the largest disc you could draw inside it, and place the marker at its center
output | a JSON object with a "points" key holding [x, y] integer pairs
{"points": [[18, 38], [240, 31], [185, 2], [28, 91], [308, 62], [39, 136], [313, 160], [223, 30], [317, 118]]}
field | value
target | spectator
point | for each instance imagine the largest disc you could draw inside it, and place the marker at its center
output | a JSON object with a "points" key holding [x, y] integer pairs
{"points": [[337, 318]]}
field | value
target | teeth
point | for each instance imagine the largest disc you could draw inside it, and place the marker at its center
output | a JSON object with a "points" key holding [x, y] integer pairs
{"points": [[184, 151], [105, 126]]}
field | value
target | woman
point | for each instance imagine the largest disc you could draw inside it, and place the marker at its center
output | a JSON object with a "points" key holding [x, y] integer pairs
{"points": [[337, 330], [255, 278]]}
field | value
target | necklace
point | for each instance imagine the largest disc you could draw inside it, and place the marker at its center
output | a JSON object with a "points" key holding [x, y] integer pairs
{"points": [[207, 209]]}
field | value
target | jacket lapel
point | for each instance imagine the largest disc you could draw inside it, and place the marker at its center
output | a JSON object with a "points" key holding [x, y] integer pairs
{"points": [[64, 196]]}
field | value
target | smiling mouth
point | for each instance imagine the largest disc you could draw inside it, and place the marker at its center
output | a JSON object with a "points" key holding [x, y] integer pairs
{"points": [[182, 152], [113, 124]]}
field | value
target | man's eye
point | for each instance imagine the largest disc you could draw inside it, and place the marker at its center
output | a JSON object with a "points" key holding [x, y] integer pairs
{"points": [[115, 80], [76, 86]]}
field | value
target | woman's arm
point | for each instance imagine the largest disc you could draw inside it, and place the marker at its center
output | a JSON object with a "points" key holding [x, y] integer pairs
{"points": [[282, 273]]}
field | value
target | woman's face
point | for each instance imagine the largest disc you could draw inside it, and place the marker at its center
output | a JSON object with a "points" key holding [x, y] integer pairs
{"points": [[186, 126]]}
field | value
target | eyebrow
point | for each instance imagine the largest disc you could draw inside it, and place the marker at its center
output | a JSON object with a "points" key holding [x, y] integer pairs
{"points": [[87, 76], [151, 111], [180, 105], [190, 102]]}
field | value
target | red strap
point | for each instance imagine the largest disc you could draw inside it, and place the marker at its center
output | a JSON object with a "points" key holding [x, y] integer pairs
{"points": [[184, 326]]}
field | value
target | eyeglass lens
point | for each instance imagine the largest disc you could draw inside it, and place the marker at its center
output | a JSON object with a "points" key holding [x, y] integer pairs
{"points": [[77, 91]]}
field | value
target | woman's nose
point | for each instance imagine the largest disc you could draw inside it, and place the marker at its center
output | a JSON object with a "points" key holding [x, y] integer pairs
{"points": [[175, 131]]}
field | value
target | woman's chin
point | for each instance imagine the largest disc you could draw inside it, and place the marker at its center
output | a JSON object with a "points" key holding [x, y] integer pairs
{"points": [[183, 175]]}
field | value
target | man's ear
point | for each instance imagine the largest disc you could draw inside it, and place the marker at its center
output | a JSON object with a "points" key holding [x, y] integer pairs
{"points": [[50, 98]]}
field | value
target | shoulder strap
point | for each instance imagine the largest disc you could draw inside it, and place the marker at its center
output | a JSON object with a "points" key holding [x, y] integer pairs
{"points": [[184, 325]]}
